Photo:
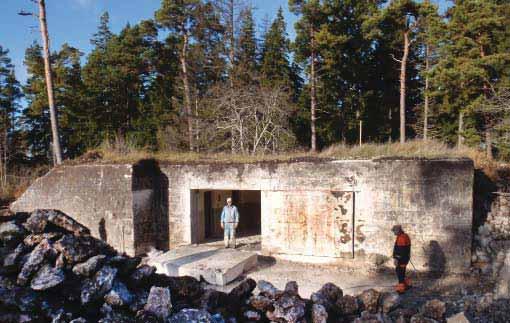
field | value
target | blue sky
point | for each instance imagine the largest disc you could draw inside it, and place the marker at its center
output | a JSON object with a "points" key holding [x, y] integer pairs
{"points": [[74, 21]]}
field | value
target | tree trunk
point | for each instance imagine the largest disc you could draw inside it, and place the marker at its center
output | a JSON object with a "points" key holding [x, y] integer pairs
{"points": [[360, 133], [231, 36], [488, 143], [187, 94], [460, 140], [426, 107], [49, 83], [403, 66], [313, 91], [488, 125]]}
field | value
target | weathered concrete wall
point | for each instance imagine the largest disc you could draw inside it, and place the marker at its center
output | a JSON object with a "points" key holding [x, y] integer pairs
{"points": [[341, 208], [98, 196], [332, 210]]}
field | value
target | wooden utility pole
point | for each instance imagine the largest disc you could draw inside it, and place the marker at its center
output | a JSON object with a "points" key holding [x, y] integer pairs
{"points": [[49, 82]]}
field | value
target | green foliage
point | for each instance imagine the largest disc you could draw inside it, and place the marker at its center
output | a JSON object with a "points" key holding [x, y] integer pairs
{"points": [[148, 83]]}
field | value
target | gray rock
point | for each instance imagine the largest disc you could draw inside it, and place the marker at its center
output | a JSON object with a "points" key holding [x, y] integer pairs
{"points": [[12, 259], [267, 289], [142, 274], [139, 301], [390, 301], [47, 277], [319, 314], [99, 286], [37, 221], [502, 289], [62, 317], [370, 300], [159, 302], [78, 249], [34, 262], [34, 239], [252, 316], [348, 305], [89, 267], [327, 296], [292, 288], [243, 290], [418, 318], [434, 309], [79, 320], [11, 233], [192, 316], [119, 295], [287, 308], [60, 219], [458, 318], [126, 265], [260, 302]]}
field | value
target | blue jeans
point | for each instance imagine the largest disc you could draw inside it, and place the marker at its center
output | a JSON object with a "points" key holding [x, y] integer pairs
{"points": [[229, 234]]}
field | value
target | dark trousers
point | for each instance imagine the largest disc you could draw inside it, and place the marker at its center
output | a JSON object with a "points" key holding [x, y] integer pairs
{"points": [[401, 272]]}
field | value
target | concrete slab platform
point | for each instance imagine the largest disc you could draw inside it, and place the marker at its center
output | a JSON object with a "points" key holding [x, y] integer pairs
{"points": [[214, 264]]}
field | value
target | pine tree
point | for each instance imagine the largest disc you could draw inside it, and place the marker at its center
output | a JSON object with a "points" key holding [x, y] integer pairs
{"points": [[181, 19], [472, 62], [104, 35], [10, 94], [275, 66], [307, 52], [246, 55]]}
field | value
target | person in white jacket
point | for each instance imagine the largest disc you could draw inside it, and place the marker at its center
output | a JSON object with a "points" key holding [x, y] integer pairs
{"points": [[229, 223]]}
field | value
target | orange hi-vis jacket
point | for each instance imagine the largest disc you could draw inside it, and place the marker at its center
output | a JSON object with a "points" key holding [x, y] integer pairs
{"points": [[402, 248]]}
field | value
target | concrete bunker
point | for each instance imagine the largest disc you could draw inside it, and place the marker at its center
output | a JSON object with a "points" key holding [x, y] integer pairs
{"points": [[315, 210], [206, 206]]}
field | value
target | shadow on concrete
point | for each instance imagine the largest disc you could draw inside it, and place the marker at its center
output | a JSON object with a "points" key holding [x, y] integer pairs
{"points": [[102, 230], [436, 260], [150, 206]]}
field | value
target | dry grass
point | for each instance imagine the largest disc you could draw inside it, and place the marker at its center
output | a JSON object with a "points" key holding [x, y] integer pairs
{"points": [[18, 181], [124, 153]]}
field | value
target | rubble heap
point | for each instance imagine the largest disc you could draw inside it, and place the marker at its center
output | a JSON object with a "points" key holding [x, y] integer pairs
{"points": [[52, 270]]}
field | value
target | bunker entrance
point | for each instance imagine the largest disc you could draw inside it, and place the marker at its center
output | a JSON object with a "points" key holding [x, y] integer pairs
{"points": [[206, 207]]}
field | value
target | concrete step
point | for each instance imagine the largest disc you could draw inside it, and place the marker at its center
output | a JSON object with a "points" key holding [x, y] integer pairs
{"points": [[215, 265]]}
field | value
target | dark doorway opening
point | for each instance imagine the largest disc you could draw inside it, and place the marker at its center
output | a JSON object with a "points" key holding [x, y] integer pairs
{"points": [[210, 203]]}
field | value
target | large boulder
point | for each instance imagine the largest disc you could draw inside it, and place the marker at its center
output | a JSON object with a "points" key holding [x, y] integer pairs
{"points": [[370, 300], [96, 288], [89, 267], [34, 262], [159, 303], [287, 308], [119, 295], [47, 277], [39, 220]]}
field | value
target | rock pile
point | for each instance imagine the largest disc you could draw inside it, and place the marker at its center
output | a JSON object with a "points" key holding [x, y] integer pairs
{"points": [[492, 240], [52, 270]]}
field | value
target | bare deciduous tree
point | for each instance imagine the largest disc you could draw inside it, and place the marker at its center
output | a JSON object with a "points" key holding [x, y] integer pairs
{"points": [[255, 117]]}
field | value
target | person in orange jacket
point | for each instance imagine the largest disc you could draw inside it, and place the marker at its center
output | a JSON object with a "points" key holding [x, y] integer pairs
{"points": [[401, 256]]}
